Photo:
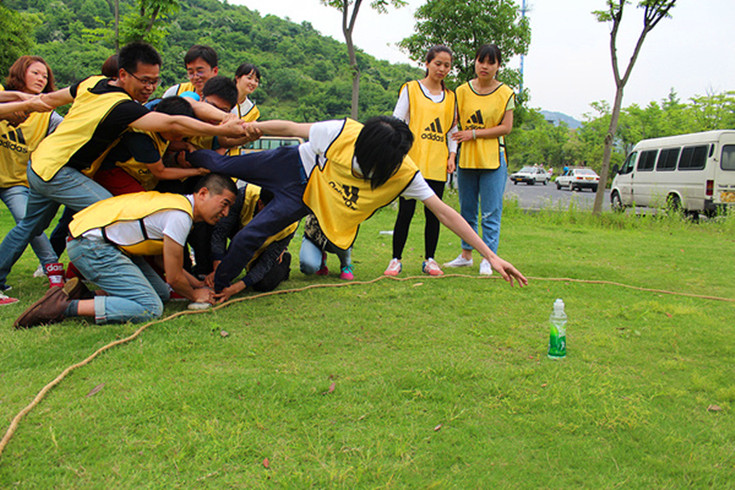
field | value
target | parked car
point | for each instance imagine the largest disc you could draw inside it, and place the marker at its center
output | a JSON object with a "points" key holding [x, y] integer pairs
{"points": [[578, 179], [530, 175], [270, 143]]}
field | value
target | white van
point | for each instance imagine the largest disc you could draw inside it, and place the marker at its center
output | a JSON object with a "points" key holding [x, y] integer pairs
{"points": [[695, 172]]}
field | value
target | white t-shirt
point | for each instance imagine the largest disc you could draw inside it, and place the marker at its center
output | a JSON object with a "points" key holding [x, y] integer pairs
{"points": [[322, 134], [403, 112], [174, 224]]}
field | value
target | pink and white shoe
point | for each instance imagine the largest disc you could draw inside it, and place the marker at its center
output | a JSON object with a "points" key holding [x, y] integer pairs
{"points": [[432, 268], [394, 268]]}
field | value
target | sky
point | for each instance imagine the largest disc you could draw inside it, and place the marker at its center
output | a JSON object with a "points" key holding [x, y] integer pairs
{"points": [[568, 64]]}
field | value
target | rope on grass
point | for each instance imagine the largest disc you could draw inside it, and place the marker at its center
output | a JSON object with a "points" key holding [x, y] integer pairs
{"points": [[41, 394]]}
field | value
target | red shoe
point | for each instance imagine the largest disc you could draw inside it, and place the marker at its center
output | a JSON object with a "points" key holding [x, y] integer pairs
{"points": [[7, 300]]}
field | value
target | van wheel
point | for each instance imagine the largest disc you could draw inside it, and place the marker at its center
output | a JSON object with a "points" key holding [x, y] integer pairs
{"points": [[558, 186], [673, 204], [616, 203]]}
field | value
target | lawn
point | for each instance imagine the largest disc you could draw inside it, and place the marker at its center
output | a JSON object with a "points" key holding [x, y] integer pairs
{"points": [[423, 382]]}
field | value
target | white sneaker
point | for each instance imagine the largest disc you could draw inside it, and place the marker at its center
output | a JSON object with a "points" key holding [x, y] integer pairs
{"points": [[459, 262], [39, 272], [485, 268]]}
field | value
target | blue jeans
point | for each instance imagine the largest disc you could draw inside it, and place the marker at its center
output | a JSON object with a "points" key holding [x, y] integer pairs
{"points": [[69, 187], [135, 292], [487, 186], [310, 257], [16, 198]]}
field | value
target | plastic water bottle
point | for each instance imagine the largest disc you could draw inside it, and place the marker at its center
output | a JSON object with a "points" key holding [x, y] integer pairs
{"points": [[558, 333]]}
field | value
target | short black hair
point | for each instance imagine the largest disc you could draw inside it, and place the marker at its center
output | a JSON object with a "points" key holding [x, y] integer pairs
{"points": [[221, 87], [207, 53], [489, 53], [380, 148], [175, 106], [246, 69], [134, 53], [216, 184]]}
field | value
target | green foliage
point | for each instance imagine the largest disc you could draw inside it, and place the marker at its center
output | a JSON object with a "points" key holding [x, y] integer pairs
{"points": [[15, 35], [305, 75], [464, 27]]}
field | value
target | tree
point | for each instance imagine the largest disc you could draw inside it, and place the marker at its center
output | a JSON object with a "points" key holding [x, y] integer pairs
{"points": [[142, 26], [464, 27], [653, 12], [348, 27], [16, 35]]}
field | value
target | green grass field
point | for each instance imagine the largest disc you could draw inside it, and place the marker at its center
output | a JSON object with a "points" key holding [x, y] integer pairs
{"points": [[420, 383]]}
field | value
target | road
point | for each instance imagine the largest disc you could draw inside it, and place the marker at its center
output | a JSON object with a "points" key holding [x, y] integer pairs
{"points": [[540, 196]]}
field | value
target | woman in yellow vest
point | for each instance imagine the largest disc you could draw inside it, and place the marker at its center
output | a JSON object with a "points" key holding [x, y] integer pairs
{"points": [[428, 107], [30, 75], [343, 174], [485, 113]]}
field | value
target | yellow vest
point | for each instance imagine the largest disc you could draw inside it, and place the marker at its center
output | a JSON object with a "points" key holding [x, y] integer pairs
{"points": [[249, 205], [478, 111], [140, 171], [85, 115], [252, 115], [339, 198], [430, 122], [16, 145], [129, 207]]}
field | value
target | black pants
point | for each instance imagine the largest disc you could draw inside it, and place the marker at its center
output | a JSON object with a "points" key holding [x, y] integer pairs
{"points": [[406, 208], [276, 275]]}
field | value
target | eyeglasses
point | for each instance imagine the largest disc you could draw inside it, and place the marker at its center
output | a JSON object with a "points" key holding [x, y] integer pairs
{"points": [[197, 73], [146, 81]]}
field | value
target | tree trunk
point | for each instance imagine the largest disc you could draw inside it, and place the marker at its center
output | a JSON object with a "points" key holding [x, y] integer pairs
{"points": [[607, 152]]}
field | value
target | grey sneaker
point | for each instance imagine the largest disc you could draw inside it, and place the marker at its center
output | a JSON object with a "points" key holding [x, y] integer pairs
{"points": [[459, 262]]}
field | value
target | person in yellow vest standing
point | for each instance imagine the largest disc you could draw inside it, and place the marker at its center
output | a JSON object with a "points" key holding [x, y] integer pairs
{"points": [[60, 169], [485, 112], [343, 174], [428, 108], [30, 75], [109, 241]]}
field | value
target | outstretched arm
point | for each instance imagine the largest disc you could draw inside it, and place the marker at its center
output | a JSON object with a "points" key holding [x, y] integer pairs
{"points": [[188, 126], [283, 128], [452, 220]]}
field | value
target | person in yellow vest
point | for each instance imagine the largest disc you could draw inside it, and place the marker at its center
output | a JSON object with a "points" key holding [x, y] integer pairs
{"points": [[135, 164], [30, 75], [343, 174], [271, 262], [485, 110], [247, 79], [110, 240], [428, 108], [60, 169]]}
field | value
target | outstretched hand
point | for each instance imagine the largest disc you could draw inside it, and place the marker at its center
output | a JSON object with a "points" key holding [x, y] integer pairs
{"points": [[508, 271], [225, 294]]}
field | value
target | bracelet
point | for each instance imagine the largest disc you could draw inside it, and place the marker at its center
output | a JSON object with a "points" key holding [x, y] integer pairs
{"points": [[474, 135]]}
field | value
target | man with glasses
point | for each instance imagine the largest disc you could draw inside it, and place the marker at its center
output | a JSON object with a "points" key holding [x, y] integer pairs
{"points": [[60, 169], [201, 65]]}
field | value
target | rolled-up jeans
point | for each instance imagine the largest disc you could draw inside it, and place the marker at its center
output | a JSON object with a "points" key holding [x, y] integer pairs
{"points": [[135, 292]]}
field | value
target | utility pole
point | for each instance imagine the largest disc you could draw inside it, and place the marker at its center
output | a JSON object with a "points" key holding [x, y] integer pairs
{"points": [[523, 57]]}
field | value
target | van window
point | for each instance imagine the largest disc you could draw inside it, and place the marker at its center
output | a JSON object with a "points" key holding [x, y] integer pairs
{"points": [[693, 158], [647, 161], [627, 166], [727, 162], [667, 159]]}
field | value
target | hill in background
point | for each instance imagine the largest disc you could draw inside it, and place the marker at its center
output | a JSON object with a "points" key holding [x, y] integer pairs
{"points": [[556, 117]]}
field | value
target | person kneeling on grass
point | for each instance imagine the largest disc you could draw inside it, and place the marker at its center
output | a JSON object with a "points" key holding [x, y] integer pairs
{"points": [[109, 241], [343, 174], [271, 263]]}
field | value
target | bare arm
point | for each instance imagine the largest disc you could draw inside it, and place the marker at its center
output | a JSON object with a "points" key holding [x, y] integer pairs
{"points": [[502, 129], [176, 276], [452, 220], [34, 104], [283, 128], [163, 172], [158, 122], [58, 98]]}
